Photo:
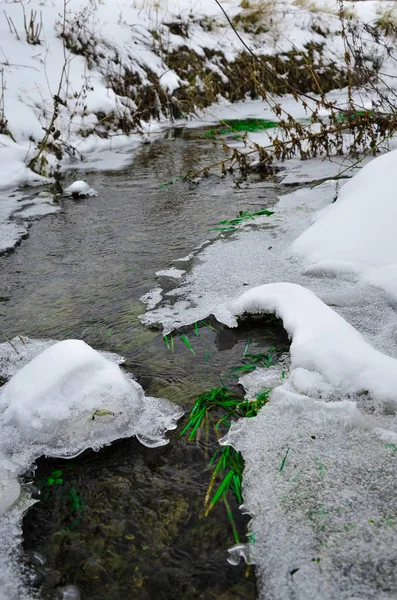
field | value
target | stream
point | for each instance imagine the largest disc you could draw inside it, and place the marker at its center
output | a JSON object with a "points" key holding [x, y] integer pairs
{"points": [[126, 522]]}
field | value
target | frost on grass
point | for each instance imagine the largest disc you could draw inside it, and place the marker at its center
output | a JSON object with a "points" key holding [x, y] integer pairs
{"points": [[62, 398], [321, 457]]}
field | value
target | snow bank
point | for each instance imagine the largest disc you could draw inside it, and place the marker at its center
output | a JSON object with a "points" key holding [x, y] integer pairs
{"points": [[98, 60], [327, 353], [357, 233], [61, 399], [320, 458]]}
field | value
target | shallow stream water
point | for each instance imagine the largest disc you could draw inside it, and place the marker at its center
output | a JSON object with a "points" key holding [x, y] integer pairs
{"points": [[125, 522]]}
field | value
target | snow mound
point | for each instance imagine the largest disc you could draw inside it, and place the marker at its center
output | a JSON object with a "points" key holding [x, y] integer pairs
{"points": [[80, 189], [320, 457], [70, 397], [356, 233], [62, 398], [327, 348]]}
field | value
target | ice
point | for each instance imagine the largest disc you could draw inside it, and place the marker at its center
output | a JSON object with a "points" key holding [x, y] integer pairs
{"points": [[172, 272], [152, 298], [17, 211], [320, 457], [80, 189], [10, 489], [60, 399], [320, 486]]}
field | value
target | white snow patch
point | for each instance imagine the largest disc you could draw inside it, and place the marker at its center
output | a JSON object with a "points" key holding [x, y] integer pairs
{"points": [[172, 272], [323, 343], [357, 233], [80, 189]]}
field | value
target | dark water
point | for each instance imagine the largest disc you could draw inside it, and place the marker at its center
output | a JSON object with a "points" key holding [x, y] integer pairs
{"points": [[125, 522]]}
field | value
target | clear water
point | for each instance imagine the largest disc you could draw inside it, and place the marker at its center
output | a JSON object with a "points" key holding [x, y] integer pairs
{"points": [[125, 522]]}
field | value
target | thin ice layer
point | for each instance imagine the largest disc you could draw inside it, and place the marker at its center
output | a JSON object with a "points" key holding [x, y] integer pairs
{"points": [[321, 458], [262, 254]]}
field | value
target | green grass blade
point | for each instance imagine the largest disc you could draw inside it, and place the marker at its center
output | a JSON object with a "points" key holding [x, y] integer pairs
{"points": [[185, 340]]}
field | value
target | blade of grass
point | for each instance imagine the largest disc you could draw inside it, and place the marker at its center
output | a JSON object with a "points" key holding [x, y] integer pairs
{"points": [[185, 340]]}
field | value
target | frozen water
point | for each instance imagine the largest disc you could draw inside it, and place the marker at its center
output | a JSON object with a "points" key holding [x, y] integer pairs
{"points": [[16, 211], [320, 457], [172, 272], [254, 256]]}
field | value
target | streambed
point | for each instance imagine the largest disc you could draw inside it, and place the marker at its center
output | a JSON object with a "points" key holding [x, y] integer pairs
{"points": [[125, 522]]}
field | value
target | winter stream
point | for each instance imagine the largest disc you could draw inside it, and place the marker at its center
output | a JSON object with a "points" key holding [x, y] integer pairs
{"points": [[127, 521]]}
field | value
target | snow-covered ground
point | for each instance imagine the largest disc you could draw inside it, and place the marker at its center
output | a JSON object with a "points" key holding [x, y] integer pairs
{"points": [[73, 83], [79, 49]]}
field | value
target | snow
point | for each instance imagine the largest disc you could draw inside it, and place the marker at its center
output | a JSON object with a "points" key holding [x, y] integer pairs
{"points": [[54, 397], [13, 170], [80, 189], [356, 233], [320, 471], [62, 398], [320, 457], [323, 343], [17, 212], [172, 272], [121, 40]]}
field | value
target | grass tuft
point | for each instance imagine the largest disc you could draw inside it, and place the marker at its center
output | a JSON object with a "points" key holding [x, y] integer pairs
{"points": [[233, 224]]}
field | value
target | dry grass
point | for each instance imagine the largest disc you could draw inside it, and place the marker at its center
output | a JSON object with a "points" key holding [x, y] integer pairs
{"points": [[313, 7], [386, 18], [256, 15]]}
